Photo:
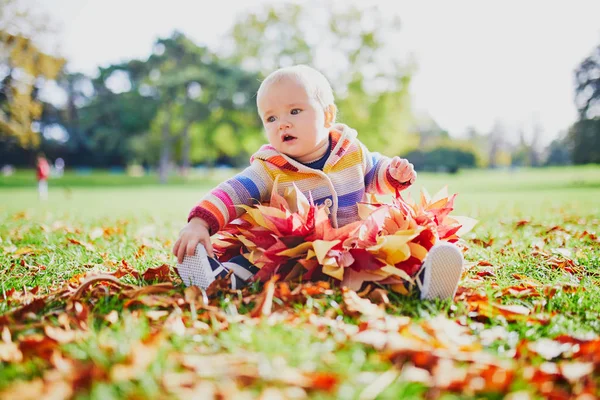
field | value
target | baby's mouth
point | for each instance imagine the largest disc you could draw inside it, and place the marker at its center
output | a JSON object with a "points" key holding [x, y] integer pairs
{"points": [[288, 138]]}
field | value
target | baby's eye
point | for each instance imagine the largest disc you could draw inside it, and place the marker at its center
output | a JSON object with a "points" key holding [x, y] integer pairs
{"points": [[270, 119], [296, 111]]}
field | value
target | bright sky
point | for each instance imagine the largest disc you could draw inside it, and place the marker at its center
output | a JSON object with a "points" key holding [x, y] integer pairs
{"points": [[479, 61]]}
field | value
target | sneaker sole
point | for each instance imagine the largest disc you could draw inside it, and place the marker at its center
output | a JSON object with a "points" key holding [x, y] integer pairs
{"points": [[444, 266], [196, 270]]}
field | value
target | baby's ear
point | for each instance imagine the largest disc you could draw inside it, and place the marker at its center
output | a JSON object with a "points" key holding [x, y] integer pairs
{"points": [[330, 113]]}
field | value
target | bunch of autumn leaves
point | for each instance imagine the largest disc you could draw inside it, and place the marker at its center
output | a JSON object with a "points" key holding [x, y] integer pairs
{"points": [[293, 238]]}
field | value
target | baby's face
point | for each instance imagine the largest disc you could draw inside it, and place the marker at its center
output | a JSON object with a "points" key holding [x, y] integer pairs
{"points": [[294, 122]]}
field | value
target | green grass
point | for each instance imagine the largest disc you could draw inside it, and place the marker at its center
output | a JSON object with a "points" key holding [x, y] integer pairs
{"points": [[116, 215]]}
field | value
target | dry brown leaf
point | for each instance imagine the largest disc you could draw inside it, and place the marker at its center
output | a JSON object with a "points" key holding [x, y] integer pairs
{"points": [[160, 274], [124, 269], [23, 251], [264, 304], [37, 346], [32, 309], [195, 295], [379, 296], [485, 272], [90, 280], [159, 288], [483, 263], [87, 246], [141, 356], [356, 305], [61, 335], [483, 243], [9, 351]]}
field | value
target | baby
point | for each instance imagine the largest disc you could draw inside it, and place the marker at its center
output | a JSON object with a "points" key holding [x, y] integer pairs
{"points": [[306, 148]]}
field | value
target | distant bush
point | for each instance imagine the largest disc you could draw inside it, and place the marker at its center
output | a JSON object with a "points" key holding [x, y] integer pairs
{"points": [[442, 159]]}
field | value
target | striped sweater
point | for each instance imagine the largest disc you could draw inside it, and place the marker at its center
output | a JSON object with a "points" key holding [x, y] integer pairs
{"points": [[349, 172]]}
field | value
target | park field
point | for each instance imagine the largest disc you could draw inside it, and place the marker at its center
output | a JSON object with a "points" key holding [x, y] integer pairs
{"points": [[90, 306]]}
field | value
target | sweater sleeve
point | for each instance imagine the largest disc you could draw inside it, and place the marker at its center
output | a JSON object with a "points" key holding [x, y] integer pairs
{"points": [[218, 207], [378, 179]]}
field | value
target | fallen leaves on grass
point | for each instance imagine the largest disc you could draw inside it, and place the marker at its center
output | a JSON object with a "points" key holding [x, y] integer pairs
{"points": [[442, 354], [439, 353]]}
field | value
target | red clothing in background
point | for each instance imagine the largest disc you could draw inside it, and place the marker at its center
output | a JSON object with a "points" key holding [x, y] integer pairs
{"points": [[43, 169]]}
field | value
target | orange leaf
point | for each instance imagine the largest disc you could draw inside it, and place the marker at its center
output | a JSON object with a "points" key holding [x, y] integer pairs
{"points": [[326, 381]]}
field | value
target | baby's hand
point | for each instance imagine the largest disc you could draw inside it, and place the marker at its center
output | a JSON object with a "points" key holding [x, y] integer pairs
{"points": [[402, 171], [196, 231]]}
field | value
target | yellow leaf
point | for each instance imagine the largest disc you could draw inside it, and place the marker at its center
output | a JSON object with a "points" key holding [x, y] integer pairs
{"points": [[246, 242], [297, 200], [331, 268], [255, 215], [394, 247], [438, 204], [296, 251], [399, 288], [417, 251], [23, 251], [397, 272], [322, 247]]}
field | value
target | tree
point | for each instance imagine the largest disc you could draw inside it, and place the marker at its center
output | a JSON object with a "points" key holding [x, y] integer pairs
{"points": [[204, 103], [584, 136], [587, 86], [355, 48], [558, 152], [24, 70], [584, 139]]}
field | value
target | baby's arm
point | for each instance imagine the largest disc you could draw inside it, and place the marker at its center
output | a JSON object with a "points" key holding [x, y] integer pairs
{"points": [[218, 208], [385, 175]]}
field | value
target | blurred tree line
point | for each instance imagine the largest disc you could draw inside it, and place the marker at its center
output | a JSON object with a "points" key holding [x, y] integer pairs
{"points": [[186, 104]]}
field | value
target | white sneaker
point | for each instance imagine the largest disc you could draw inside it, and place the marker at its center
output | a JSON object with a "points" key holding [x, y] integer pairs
{"points": [[199, 269], [441, 272]]}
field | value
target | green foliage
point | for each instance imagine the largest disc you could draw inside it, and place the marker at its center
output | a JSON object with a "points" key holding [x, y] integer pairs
{"points": [[24, 67], [442, 158], [558, 152], [351, 46], [584, 139]]}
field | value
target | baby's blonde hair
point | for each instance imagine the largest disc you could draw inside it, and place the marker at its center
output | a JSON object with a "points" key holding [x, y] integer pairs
{"points": [[314, 82]]}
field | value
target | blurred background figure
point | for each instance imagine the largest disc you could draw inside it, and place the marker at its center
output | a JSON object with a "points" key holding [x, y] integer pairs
{"points": [[59, 167], [42, 172]]}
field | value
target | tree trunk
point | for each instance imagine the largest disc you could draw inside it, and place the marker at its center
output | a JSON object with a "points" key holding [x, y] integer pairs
{"points": [[165, 153], [185, 149]]}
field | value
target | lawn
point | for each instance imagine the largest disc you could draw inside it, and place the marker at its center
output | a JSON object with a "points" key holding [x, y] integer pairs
{"points": [[89, 307]]}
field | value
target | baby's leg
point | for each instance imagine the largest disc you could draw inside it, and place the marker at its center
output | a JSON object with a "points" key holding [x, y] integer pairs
{"points": [[441, 271], [242, 268], [201, 270], [43, 189]]}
